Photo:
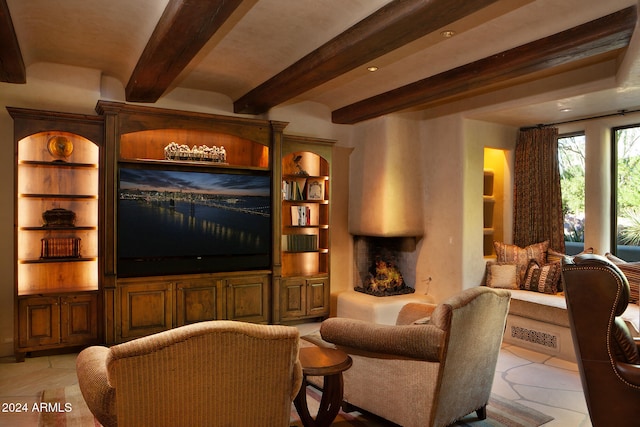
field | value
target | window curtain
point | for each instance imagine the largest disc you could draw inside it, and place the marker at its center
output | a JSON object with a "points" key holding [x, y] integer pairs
{"points": [[537, 197]]}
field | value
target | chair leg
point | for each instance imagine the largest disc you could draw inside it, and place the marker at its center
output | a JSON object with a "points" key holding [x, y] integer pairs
{"points": [[347, 407], [482, 413]]}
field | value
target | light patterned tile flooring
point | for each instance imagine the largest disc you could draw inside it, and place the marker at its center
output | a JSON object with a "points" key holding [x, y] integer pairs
{"points": [[547, 384]]}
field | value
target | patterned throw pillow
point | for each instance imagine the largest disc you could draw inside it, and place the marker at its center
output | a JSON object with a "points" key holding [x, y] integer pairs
{"points": [[560, 258], [543, 279], [504, 276], [632, 271], [512, 254]]}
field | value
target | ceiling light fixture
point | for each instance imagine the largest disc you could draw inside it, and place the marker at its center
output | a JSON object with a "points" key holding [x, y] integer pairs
{"points": [[372, 68], [447, 34]]}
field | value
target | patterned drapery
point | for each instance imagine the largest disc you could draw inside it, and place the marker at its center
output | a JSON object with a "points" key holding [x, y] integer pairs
{"points": [[537, 197]]}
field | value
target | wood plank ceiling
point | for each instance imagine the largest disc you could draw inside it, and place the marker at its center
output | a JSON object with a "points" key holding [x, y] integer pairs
{"points": [[186, 26]]}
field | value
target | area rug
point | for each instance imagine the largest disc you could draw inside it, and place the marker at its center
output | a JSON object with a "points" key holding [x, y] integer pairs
{"points": [[66, 408]]}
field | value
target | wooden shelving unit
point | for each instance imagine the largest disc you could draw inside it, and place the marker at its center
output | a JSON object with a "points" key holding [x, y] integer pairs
{"points": [[305, 229], [57, 278]]}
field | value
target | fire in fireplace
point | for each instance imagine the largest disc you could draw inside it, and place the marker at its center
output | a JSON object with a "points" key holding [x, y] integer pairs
{"points": [[380, 262]]}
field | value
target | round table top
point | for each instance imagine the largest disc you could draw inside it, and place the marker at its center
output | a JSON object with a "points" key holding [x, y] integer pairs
{"points": [[321, 361]]}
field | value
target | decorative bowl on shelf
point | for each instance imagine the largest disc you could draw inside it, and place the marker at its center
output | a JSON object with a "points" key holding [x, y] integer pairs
{"points": [[60, 147], [59, 217]]}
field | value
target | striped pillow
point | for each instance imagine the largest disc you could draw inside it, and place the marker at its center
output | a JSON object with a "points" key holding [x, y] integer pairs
{"points": [[543, 279], [512, 254], [560, 258], [632, 272]]}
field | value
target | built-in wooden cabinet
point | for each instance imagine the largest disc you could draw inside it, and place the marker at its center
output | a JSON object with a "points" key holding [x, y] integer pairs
{"points": [[302, 297], [304, 244], [57, 235], [58, 320], [180, 288], [88, 192]]}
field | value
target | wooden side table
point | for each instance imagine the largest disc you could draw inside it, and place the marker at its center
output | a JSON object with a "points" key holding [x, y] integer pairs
{"points": [[328, 363]]}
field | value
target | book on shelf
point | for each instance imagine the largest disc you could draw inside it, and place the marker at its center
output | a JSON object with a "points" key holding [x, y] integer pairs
{"points": [[60, 247], [293, 189], [300, 215], [299, 242]]}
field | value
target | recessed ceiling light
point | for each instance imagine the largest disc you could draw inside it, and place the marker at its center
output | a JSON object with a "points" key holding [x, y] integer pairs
{"points": [[447, 34], [372, 68], [565, 110]]}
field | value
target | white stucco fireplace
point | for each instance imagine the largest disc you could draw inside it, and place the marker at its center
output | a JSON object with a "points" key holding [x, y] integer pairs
{"points": [[397, 251]]}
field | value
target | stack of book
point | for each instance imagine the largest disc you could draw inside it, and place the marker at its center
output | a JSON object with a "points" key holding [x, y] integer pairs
{"points": [[300, 215], [299, 242], [60, 247]]}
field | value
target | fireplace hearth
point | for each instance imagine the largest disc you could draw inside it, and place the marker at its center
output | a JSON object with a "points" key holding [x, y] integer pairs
{"points": [[385, 266]]}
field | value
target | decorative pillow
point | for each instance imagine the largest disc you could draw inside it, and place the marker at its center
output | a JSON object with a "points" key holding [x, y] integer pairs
{"points": [[614, 259], [512, 254], [505, 276], [555, 256], [632, 272], [560, 258], [543, 279]]}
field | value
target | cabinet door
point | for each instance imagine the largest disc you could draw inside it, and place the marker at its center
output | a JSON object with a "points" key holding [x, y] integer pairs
{"points": [[79, 315], [293, 298], [318, 296], [39, 321], [198, 301], [248, 298], [145, 309]]}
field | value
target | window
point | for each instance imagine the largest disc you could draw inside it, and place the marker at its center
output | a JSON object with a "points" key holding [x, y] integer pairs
{"points": [[626, 182], [571, 156]]}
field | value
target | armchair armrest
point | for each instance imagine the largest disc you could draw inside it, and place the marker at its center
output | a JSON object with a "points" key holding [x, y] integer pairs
{"points": [[422, 342], [100, 397]]}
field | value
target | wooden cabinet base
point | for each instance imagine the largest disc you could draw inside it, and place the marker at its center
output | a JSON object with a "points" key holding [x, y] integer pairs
{"points": [[147, 305], [56, 321]]}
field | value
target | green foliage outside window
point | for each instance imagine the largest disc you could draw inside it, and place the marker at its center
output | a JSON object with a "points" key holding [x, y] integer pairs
{"points": [[571, 157], [628, 185]]}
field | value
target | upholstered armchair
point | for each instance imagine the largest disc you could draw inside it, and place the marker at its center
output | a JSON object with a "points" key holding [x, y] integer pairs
{"points": [[597, 293], [434, 366], [219, 373]]}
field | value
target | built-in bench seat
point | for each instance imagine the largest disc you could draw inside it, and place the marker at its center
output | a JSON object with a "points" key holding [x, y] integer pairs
{"points": [[540, 322]]}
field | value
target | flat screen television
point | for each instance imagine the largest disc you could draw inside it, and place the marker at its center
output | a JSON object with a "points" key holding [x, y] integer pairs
{"points": [[182, 221]]}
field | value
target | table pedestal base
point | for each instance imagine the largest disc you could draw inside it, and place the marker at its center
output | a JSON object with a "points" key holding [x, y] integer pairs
{"points": [[329, 404]]}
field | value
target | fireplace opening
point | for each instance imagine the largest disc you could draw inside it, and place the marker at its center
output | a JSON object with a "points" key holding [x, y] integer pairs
{"points": [[385, 265]]}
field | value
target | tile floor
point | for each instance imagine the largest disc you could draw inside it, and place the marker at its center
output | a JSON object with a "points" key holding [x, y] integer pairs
{"points": [[545, 383]]}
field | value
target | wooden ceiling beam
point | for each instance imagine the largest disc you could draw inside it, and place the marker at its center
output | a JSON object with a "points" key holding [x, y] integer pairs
{"points": [[183, 29], [387, 29], [12, 69], [603, 35]]}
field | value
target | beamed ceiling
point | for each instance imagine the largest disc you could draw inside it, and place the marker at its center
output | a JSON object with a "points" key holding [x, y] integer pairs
{"points": [[514, 61]]}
